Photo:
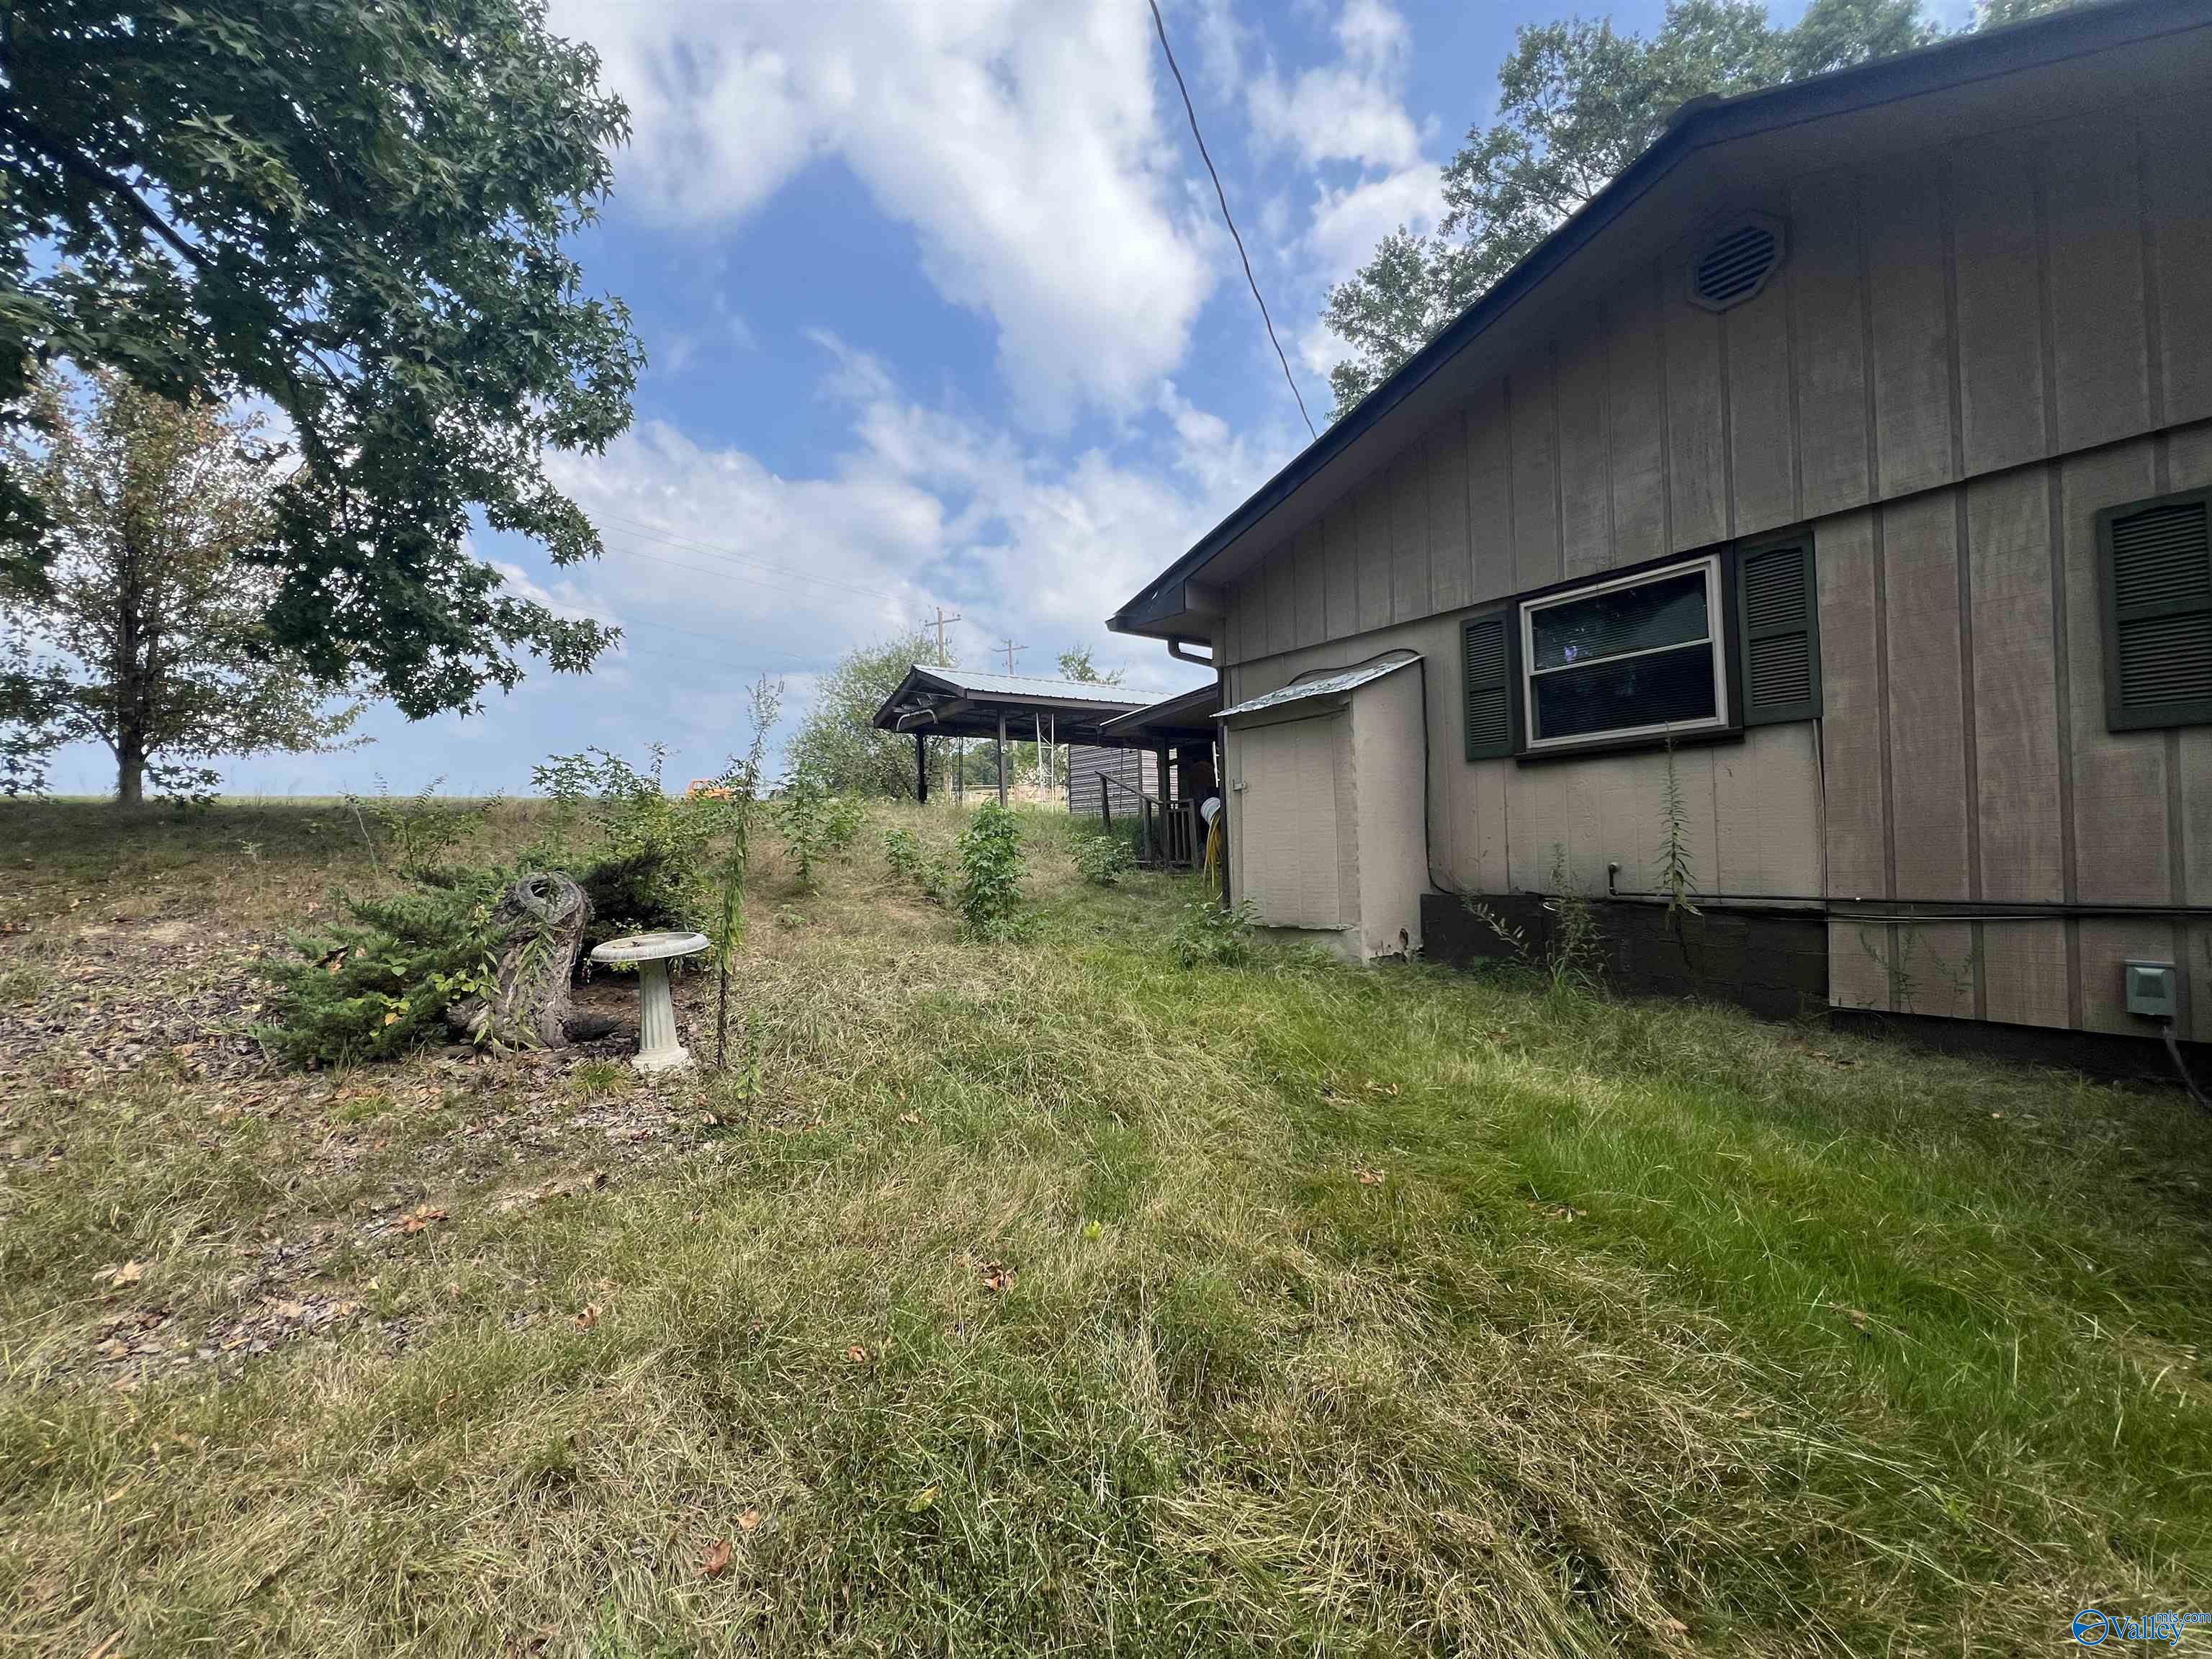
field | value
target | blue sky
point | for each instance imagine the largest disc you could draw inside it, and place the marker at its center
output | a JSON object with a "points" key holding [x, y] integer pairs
{"points": [[940, 311]]}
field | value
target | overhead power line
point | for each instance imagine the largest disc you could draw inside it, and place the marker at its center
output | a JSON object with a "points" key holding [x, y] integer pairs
{"points": [[1223, 196]]}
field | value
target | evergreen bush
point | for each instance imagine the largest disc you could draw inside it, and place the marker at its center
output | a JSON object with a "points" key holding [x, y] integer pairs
{"points": [[377, 984]]}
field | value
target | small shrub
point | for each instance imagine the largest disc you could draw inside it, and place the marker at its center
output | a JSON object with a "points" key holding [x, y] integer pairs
{"points": [[378, 985], [1207, 935], [911, 862], [841, 818], [904, 853], [642, 858], [1568, 960], [991, 869], [636, 893], [804, 815], [1102, 860], [413, 832]]}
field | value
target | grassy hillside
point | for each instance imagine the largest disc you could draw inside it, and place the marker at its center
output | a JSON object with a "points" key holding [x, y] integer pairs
{"points": [[1054, 1298]]}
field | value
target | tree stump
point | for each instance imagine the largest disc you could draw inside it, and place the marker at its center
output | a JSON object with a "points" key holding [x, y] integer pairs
{"points": [[537, 927]]}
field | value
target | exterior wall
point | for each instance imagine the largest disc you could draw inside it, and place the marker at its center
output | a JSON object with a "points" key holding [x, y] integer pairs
{"points": [[1773, 963], [1964, 358], [1495, 826], [1136, 768], [1390, 756], [1967, 756], [2010, 298]]}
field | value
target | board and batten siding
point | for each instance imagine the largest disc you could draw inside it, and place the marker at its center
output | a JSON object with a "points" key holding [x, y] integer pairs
{"points": [[1966, 354], [1495, 826]]}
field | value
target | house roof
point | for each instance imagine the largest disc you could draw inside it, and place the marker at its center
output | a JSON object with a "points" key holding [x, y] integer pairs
{"points": [[1178, 603], [1335, 684], [957, 702]]}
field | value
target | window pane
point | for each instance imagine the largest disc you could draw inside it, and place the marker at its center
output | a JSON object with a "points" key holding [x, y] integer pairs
{"points": [[1670, 611], [1666, 687]]}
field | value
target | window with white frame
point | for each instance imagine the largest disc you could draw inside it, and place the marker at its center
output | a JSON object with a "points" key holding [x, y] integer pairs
{"points": [[1636, 657]]}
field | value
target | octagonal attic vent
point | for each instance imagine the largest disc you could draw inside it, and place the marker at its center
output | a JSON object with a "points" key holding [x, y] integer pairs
{"points": [[1736, 261]]}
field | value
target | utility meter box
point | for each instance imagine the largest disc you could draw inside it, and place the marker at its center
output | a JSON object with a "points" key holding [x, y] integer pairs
{"points": [[2151, 989]]}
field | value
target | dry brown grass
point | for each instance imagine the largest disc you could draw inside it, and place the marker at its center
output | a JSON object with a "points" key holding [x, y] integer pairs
{"points": [[1050, 1298]]}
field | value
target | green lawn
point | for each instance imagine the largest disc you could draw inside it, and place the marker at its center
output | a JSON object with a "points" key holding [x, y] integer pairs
{"points": [[1052, 1298]]}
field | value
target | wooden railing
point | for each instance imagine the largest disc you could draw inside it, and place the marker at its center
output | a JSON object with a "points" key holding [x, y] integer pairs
{"points": [[1168, 835]]}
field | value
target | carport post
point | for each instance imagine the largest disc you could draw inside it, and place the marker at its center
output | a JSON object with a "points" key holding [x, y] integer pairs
{"points": [[920, 770], [1002, 758]]}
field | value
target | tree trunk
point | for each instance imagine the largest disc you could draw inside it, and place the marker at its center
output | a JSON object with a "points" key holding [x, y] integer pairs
{"points": [[129, 772], [537, 928]]}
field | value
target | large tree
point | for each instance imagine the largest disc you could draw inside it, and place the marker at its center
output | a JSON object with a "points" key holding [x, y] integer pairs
{"points": [[1075, 664], [146, 632], [360, 211], [837, 743], [1576, 103]]}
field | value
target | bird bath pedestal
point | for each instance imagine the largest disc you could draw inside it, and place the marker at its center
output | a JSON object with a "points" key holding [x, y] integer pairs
{"points": [[658, 1048]]}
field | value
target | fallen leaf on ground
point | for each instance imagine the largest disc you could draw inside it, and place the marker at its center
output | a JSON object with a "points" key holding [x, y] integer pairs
{"points": [[921, 1500], [909, 1117], [123, 1272], [1857, 1317], [749, 1520], [997, 1276], [587, 1317], [422, 1216], [857, 1354], [720, 1554], [1370, 1177]]}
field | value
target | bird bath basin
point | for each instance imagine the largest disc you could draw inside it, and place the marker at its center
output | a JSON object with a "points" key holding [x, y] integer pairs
{"points": [[658, 1048]]}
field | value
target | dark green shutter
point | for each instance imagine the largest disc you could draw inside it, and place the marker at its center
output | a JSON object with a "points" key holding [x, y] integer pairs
{"points": [[1779, 628], [1490, 689], [2156, 572]]}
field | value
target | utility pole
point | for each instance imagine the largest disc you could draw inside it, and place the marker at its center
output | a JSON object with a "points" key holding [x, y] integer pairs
{"points": [[944, 660], [1010, 648], [938, 621]]}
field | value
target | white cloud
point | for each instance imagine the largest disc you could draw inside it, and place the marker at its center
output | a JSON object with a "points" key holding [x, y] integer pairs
{"points": [[923, 508], [1023, 143], [1348, 223], [1351, 110]]}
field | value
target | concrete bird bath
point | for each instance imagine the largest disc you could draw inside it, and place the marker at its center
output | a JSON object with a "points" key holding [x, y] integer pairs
{"points": [[658, 1048]]}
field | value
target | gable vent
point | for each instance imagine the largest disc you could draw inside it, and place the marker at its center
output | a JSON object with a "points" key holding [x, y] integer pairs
{"points": [[1735, 261], [2159, 571]]}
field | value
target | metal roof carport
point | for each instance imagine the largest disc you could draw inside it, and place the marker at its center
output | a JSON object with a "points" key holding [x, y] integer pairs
{"points": [[952, 702]]}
